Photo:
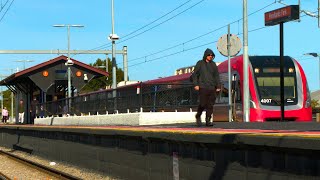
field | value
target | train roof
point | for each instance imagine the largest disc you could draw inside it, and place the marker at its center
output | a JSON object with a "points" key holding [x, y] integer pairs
{"points": [[173, 78], [235, 63]]}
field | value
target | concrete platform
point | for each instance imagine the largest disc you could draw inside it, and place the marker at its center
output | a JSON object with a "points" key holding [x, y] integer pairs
{"points": [[136, 119], [169, 152]]}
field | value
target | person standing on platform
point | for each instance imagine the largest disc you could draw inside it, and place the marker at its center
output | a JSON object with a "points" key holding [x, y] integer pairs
{"points": [[5, 115], [21, 112], [34, 109], [206, 80], [41, 115]]}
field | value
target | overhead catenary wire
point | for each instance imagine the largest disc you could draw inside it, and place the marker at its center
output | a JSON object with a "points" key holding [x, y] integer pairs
{"points": [[3, 5], [200, 36], [6, 10], [103, 46], [184, 50], [157, 19], [181, 51], [121, 41], [263, 27], [152, 22]]}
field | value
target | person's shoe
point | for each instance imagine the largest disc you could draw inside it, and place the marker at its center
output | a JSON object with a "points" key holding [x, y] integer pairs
{"points": [[198, 120], [208, 121]]}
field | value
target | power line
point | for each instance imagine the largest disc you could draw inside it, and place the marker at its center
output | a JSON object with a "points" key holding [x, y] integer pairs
{"points": [[6, 10], [210, 32], [183, 42], [2, 6], [184, 50], [178, 7], [162, 22], [174, 46], [200, 35], [178, 52], [156, 19]]}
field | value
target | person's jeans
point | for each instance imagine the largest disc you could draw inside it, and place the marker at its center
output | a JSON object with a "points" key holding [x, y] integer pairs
{"points": [[207, 96], [21, 117]]}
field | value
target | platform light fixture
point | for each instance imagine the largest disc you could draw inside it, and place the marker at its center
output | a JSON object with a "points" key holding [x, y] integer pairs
{"points": [[69, 61]]}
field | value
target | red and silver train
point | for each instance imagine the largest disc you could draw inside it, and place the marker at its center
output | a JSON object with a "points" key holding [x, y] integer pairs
{"points": [[176, 92], [264, 89]]}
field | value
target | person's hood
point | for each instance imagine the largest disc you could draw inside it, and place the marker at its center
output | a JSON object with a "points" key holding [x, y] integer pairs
{"points": [[207, 52]]}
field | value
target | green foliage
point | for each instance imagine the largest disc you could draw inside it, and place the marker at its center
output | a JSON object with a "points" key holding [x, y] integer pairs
{"points": [[102, 82], [314, 103], [7, 101]]}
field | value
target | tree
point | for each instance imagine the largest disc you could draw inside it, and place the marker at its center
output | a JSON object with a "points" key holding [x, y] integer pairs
{"points": [[102, 82], [314, 103], [7, 101]]}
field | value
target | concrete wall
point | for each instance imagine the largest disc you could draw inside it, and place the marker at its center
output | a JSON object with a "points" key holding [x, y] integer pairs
{"points": [[165, 155], [145, 118]]}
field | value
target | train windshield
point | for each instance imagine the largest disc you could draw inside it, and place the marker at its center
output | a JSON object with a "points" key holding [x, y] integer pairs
{"points": [[266, 70]]}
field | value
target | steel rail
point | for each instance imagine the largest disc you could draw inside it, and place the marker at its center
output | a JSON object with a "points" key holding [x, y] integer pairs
{"points": [[39, 167]]}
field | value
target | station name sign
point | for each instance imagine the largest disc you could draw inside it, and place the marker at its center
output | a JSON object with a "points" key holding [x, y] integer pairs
{"points": [[281, 15]]}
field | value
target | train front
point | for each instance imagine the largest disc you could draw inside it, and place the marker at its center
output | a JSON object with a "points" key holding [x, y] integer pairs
{"points": [[265, 91]]}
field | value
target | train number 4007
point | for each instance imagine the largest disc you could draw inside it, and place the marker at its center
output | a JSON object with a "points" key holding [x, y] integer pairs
{"points": [[266, 100]]}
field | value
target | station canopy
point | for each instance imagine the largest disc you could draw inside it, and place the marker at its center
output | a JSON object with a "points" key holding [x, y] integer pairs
{"points": [[51, 74]]}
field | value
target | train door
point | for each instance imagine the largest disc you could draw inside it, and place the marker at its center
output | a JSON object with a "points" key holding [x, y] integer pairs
{"points": [[221, 107], [237, 109]]}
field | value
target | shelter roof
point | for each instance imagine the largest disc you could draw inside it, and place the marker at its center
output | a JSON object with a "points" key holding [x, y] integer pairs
{"points": [[60, 59]]}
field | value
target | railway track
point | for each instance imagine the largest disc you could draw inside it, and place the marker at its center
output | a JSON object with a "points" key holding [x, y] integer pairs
{"points": [[31, 169]]}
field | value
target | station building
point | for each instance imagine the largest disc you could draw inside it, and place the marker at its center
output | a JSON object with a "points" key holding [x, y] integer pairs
{"points": [[48, 81]]}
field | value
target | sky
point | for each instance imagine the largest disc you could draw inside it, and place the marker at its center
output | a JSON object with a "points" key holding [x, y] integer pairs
{"points": [[161, 35]]}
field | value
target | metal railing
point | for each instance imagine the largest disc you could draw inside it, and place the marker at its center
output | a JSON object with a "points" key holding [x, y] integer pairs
{"points": [[141, 97]]}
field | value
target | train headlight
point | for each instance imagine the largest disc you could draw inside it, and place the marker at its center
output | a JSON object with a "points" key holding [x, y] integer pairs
{"points": [[256, 70], [291, 70]]}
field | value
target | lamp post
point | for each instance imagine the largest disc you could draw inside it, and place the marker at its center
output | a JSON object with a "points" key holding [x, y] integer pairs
{"points": [[69, 61], [24, 62], [11, 95], [315, 55], [113, 37]]}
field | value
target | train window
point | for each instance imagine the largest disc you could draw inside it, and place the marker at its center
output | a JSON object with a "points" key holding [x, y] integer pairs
{"points": [[267, 80], [225, 90], [223, 95], [269, 89], [237, 89]]}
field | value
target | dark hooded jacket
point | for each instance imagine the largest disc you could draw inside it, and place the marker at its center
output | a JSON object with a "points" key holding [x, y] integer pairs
{"points": [[206, 74]]}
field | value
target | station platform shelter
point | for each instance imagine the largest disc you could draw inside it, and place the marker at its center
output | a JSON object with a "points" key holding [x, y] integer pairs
{"points": [[48, 81]]}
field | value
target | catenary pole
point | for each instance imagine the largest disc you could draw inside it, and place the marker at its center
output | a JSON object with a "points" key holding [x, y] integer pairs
{"points": [[125, 63], [229, 74], [114, 70], [245, 86]]}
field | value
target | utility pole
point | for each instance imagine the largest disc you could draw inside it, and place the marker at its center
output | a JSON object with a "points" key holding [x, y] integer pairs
{"points": [[246, 112], [1, 78], [69, 61], [113, 37], [229, 75], [125, 64], [114, 71], [12, 99]]}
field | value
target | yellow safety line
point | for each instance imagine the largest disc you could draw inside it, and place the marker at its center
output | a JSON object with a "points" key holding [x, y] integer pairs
{"points": [[189, 131]]}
